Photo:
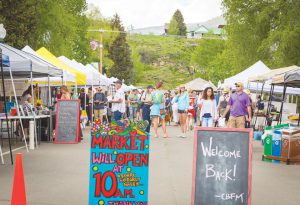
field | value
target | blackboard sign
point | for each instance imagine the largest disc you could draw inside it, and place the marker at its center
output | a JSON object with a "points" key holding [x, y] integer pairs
{"points": [[119, 163], [67, 122], [222, 166]]}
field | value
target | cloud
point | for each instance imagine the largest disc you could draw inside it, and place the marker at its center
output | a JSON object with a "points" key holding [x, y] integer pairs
{"points": [[144, 13]]}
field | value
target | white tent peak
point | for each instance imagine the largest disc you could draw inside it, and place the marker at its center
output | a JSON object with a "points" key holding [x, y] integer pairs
{"points": [[257, 68]]}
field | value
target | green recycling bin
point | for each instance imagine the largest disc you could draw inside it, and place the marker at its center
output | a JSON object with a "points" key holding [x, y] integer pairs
{"points": [[268, 144]]}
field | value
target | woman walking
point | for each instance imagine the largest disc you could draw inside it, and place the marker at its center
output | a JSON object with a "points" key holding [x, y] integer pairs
{"points": [[182, 100], [158, 110], [175, 109], [208, 113]]}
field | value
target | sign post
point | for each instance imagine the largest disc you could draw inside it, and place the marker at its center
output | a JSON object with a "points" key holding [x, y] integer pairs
{"points": [[119, 164], [222, 171]]}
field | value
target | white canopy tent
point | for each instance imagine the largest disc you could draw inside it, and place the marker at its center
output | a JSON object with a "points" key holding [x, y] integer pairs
{"points": [[199, 84], [98, 78], [258, 67], [23, 65]]}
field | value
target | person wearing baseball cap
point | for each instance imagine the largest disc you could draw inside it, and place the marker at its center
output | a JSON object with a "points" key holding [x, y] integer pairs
{"points": [[240, 106], [118, 102]]}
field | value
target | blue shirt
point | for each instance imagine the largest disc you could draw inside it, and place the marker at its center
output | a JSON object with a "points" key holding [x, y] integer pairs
{"points": [[183, 101]]}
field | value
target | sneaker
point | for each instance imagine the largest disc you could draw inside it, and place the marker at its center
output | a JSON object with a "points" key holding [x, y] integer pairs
{"points": [[179, 135], [183, 136]]}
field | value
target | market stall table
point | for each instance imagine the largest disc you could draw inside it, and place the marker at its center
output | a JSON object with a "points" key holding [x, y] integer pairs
{"points": [[38, 119]]}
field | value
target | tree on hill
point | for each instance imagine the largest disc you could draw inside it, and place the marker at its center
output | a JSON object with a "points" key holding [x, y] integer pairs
{"points": [[120, 54], [177, 25]]}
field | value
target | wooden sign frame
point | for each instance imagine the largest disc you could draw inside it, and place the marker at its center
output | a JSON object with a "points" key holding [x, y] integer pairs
{"points": [[56, 123], [250, 131]]}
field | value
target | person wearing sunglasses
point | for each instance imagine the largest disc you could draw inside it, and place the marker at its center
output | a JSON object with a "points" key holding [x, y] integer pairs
{"points": [[240, 106]]}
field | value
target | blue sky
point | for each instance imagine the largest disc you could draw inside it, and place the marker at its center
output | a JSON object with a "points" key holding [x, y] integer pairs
{"points": [[144, 13]]}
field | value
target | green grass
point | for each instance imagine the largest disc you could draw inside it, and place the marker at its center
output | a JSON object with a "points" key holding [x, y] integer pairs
{"points": [[172, 50]]}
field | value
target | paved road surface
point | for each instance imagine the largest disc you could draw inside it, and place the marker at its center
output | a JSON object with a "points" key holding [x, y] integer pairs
{"points": [[59, 175]]}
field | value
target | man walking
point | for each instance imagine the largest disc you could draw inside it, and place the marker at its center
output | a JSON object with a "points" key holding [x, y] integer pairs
{"points": [[99, 104], [133, 99], [239, 105], [147, 102], [118, 102]]}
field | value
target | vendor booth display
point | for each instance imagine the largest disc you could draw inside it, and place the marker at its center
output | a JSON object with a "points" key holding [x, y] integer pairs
{"points": [[288, 79]]}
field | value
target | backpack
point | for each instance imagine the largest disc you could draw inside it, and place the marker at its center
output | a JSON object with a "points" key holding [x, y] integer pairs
{"points": [[157, 97], [224, 103], [260, 105]]}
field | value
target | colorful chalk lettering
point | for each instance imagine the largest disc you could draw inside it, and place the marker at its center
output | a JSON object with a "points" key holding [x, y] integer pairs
{"points": [[119, 163]]}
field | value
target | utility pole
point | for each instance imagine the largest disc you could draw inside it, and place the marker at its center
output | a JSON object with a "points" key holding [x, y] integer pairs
{"points": [[101, 52], [101, 31]]}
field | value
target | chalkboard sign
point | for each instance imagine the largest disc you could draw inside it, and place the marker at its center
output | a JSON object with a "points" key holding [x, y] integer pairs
{"points": [[119, 163], [222, 166], [67, 122]]}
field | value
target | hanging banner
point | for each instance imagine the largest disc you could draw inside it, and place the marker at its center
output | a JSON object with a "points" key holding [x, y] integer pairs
{"points": [[119, 164]]}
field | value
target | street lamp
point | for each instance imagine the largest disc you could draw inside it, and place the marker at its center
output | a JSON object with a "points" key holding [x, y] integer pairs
{"points": [[2, 32], [2, 36]]}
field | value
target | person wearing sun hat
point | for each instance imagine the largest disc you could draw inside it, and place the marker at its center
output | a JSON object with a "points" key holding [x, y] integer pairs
{"points": [[240, 106], [158, 110]]}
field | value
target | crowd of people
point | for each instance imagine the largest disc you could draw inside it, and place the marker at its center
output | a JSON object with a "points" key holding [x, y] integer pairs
{"points": [[181, 107]]}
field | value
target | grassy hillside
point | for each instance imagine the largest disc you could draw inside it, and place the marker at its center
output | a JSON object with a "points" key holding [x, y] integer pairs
{"points": [[162, 58]]}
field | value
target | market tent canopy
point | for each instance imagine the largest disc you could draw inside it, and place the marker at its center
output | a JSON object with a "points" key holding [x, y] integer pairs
{"points": [[102, 79], [23, 64], [199, 84], [258, 67], [289, 79], [93, 77], [47, 55], [261, 78], [67, 78]]}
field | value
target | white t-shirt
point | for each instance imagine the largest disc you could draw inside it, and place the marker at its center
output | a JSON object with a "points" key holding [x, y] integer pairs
{"points": [[119, 106], [209, 106]]}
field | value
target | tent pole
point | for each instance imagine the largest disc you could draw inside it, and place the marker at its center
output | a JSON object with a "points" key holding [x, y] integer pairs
{"points": [[6, 116], [269, 103], [84, 98], [262, 88], [92, 103], [282, 102], [18, 111], [49, 92], [33, 110]]}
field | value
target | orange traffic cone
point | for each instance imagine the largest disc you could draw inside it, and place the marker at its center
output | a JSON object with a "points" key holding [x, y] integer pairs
{"points": [[19, 192]]}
